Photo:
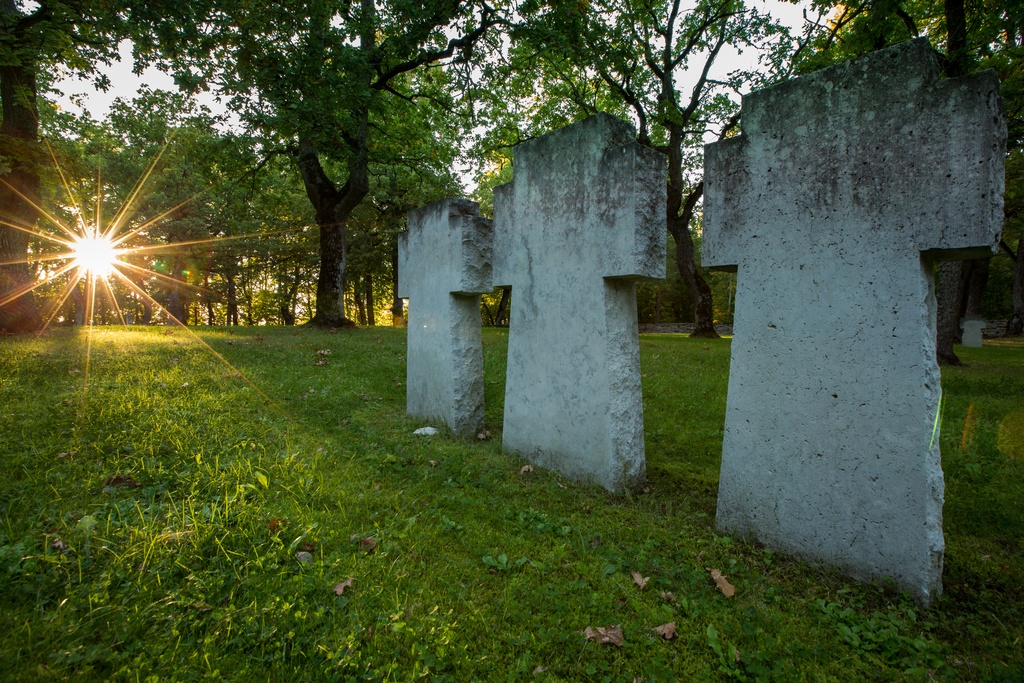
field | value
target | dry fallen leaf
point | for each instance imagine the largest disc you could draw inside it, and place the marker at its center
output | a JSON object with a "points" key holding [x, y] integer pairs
{"points": [[340, 588], [304, 556], [560, 484], [59, 545], [121, 480], [526, 468], [432, 463], [639, 579], [539, 670], [276, 524], [727, 589], [367, 544], [668, 597], [484, 435], [666, 631], [610, 635]]}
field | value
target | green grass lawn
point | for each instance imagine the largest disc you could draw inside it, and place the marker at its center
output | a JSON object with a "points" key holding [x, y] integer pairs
{"points": [[159, 493]]}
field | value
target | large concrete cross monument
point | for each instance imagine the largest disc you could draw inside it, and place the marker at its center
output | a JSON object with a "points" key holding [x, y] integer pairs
{"points": [[844, 188], [583, 219], [444, 264]]}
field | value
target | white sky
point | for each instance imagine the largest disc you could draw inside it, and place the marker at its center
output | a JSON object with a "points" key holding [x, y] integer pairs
{"points": [[124, 84]]}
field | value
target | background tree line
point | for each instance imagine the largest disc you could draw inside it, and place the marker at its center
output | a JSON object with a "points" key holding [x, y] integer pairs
{"points": [[349, 114]]}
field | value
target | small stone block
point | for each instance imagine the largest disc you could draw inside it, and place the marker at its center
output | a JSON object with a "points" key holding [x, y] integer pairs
{"points": [[972, 328]]}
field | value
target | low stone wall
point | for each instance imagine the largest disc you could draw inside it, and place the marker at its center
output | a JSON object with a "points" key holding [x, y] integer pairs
{"points": [[684, 328], [994, 329]]}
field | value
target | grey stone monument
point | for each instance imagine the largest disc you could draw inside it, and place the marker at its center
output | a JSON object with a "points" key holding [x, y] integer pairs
{"points": [[444, 264], [844, 188], [972, 327], [583, 219]]}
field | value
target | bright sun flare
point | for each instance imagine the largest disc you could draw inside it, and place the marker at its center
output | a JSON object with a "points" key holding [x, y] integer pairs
{"points": [[95, 254]]}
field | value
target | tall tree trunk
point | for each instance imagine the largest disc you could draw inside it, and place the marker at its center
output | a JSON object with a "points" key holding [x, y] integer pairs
{"points": [[370, 318], [19, 189], [206, 302], [78, 295], [332, 208], [357, 295], [948, 302], [679, 215], [176, 306], [977, 281], [232, 300], [397, 305], [501, 315], [1016, 323]]}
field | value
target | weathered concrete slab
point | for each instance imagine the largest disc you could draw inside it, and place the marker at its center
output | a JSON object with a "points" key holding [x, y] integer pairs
{"points": [[444, 264], [842, 190], [972, 332], [583, 219]]}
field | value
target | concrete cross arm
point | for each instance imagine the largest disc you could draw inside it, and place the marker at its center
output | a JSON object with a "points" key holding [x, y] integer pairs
{"points": [[587, 195], [449, 248], [896, 157]]}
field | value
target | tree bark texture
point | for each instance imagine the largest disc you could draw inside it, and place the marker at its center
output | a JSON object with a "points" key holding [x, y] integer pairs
{"points": [[19, 190], [501, 315], [370, 316], [232, 301], [949, 298], [332, 208], [679, 215], [976, 276], [1016, 323], [177, 307], [397, 305]]}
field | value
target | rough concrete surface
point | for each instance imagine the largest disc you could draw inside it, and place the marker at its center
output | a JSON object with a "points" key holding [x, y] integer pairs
{"points": [[972, 332], [583, 219], [843, 188], [444, 264]]}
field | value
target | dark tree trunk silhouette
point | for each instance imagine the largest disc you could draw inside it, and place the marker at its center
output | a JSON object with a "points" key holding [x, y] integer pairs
{"points": [[332, 208], [397, 305], [370, 317], [232, 300], [949, 298], [19, 188], [1015, 325]]}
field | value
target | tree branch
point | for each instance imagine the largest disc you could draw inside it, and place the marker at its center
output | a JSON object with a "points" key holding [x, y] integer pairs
{"points": [[464, 44]]}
